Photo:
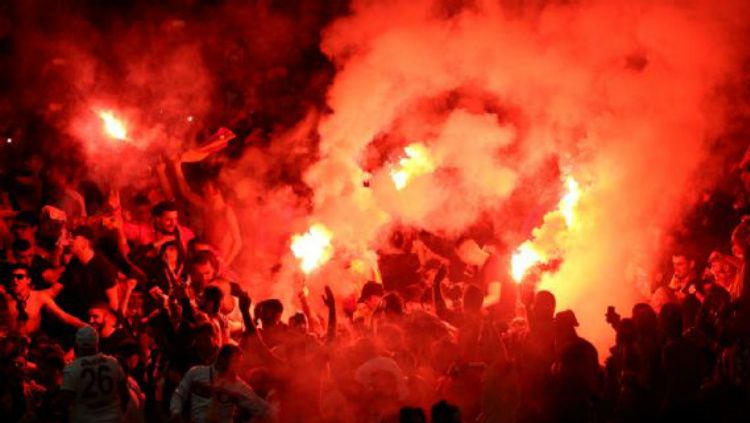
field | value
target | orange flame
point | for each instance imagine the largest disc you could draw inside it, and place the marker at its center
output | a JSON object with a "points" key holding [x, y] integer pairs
{"points": [[570, 199], [524, 259], [529, 254], [418, 161], [113, 127], [313, 248]]}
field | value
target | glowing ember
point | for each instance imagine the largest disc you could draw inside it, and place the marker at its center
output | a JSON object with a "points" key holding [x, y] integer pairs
{"points": [[312, 248], [418, 161], [530, 253], [524, 259], [114, 127]]}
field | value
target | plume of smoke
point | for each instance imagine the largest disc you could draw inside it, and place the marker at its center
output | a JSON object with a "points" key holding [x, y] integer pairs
{"points": [[622, 94]]}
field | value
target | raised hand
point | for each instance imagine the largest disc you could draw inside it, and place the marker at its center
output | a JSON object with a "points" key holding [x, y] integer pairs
{"points": [[244, 300], [328, 299], [440, 275]]}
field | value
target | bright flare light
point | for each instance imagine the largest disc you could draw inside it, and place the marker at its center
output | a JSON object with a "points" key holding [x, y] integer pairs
{"points": [[569, 201], [114, 127], [312, 248], [524, 259], [418, 161], [528, 254]]}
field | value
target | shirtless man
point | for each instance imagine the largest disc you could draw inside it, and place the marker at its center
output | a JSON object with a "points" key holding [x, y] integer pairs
{"points": [[24, 305]]}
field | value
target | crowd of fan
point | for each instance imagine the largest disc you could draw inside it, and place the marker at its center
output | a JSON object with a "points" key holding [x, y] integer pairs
{"points": [[191, 345]]}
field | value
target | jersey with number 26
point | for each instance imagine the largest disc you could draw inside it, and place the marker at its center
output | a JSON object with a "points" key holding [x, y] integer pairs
{"points": [[95, 380]]}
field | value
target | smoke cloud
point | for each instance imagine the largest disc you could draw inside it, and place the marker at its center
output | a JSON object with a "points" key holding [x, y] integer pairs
{"points": [[622, 96]]}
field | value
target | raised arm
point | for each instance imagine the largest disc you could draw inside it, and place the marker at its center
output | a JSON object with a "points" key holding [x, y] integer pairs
{"points": [[112, 297], [161, 174], [437, 294], [234, 232], [330, 301], [51, 306], [311, 320], [182, 186]]}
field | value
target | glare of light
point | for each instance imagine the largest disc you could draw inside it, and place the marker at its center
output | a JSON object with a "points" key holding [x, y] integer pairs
{"points": [[9, 140], [570, 199], [313, 248], [418, 161], [189, 118], [524, 259], [114, 127]]}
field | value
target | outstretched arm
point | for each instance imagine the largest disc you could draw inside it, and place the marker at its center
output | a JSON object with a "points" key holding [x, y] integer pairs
{"points": [[51, 306]]}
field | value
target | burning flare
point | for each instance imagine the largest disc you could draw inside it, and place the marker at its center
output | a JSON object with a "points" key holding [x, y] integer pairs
{"points": [[313, 248], [530, 253], [114, 127], [418, 161], [524, 259], [570, 199]]}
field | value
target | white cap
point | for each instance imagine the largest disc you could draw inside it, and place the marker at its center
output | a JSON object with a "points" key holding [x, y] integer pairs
{"points": [[86, 337]]}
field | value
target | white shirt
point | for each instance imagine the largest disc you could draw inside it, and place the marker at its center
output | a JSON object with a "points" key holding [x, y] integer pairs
{"points": [[215, 399], [96, 381]]}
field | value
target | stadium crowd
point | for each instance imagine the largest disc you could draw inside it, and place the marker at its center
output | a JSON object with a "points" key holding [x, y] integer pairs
{"points": [[114, 307]]}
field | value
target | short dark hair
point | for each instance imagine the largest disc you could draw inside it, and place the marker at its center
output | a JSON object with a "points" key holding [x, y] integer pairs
{"points": [[20, 245], [225, 355], [163, 207], [271, 305], [101, 305], [203, 257]]}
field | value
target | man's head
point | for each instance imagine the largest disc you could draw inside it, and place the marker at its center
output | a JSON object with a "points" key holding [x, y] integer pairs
{"points": [[543, 308], [25, 225], [20, 279], [83, 240], [165, 217], [372, 293], [102, 318], [170, 252], [205, 341], [87, 341], [203, 268], [269, 312], [228, 360], [682, 264], [23, 251], [298, 321]]}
